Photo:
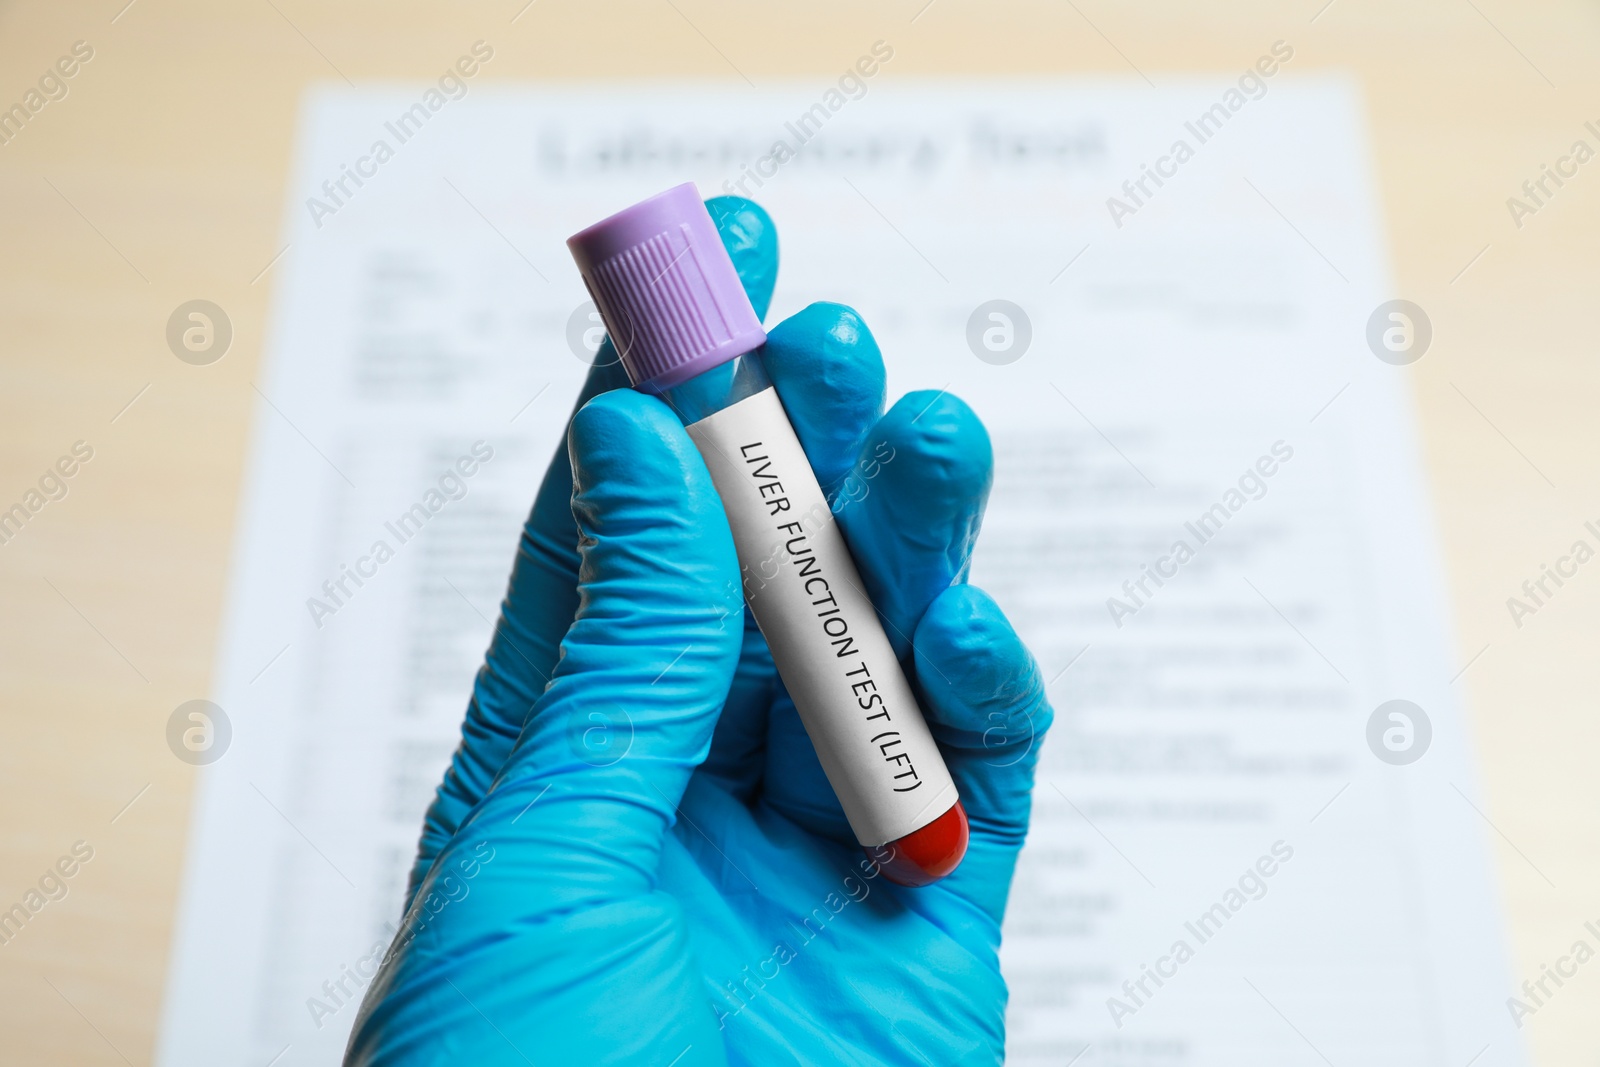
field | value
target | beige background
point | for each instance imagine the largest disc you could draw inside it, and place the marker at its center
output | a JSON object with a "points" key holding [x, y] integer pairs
{"points": [[160, 178]]}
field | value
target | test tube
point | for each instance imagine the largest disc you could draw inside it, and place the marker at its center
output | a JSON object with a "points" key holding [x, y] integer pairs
{"points": [[685, 331]]}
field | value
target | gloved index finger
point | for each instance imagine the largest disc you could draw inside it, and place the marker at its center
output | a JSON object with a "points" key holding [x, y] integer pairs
{"points": [[752, 242]]}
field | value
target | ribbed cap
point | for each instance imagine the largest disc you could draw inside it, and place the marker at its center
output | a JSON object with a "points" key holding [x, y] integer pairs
{"points": [[666, 289]]}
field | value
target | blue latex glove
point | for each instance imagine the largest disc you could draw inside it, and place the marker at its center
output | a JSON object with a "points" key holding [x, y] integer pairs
{"points": [[635, 857]]}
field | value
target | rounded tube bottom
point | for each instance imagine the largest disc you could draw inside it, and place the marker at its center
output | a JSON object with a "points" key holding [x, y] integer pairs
{"points": [[924, 856]]}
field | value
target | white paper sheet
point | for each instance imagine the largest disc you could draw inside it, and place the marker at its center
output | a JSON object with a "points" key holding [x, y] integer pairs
{"points": [[1225, 316]]}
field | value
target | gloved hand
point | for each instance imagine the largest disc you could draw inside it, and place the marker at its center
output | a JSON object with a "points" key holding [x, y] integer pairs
{"points": [[634, 857]]}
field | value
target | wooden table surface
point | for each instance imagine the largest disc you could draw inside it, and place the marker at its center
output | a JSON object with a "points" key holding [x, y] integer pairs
{"points": [[159, 177]]}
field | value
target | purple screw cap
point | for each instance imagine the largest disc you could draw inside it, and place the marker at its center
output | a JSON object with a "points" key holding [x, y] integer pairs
{"points": [[666, 289]]}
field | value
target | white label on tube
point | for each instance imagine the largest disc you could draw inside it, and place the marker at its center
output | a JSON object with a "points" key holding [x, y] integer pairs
{"points": [[807, 597]]}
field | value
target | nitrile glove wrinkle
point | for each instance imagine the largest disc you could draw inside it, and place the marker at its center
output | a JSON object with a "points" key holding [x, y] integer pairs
{"points": [[448, 1008], [541, 598], [657, 632], [694, 897], [739, 744]]}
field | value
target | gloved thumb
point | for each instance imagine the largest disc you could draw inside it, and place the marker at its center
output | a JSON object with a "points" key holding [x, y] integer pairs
{"points": [[596, 778]]}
